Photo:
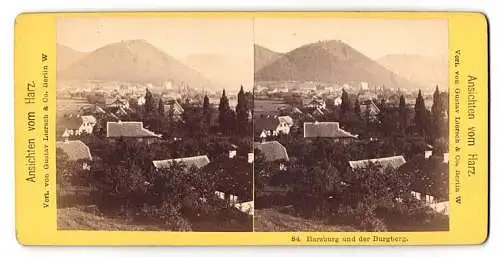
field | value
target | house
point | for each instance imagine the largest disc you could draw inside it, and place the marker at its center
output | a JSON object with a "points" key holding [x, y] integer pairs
{"points": [[326, 129], [318, 114], [129, 129], [76, 150], [233, 200], [174, 109], [194, 161], [76, 126], [386, 162], [314, 103], [246, 207], [232, 151], [117, 103], [250, 157], [372, 109], [69, 126], [441, 207], [88, 123], [287, 120], [273, 151], [272, 126]]}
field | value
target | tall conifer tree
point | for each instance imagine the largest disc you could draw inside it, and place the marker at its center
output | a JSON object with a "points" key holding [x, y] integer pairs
{"points": [[420, 114], [242, 112], [224, 113], [149, 103], [403, 114]]}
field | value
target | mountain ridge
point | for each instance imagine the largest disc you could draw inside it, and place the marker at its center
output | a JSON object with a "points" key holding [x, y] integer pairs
{"points": [[133, 61], [330, 61], [264, 56]]}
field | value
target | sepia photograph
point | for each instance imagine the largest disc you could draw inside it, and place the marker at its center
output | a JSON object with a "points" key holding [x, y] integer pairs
{"points": [[351, 124], [154, 123]]}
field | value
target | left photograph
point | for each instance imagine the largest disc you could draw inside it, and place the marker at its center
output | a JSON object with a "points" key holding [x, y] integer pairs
{"points": [[154, 124]]}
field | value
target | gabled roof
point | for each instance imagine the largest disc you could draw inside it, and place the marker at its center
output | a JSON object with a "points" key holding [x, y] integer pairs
{"points": [[272, 150], [115, 101], [296, 110], [286, 119], [76, 150], [371, 106], [312, 101], [318, 112], [393, 162], [325, 129], [128, 129], [196, 161], [265, 123], [89, 119]]}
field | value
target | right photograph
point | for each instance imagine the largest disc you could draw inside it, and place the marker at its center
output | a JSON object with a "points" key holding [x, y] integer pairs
{"points": [[351, 124]]}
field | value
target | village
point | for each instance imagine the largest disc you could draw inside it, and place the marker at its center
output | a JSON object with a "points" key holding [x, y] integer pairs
{"points": [[350, 157], [154, 156]]}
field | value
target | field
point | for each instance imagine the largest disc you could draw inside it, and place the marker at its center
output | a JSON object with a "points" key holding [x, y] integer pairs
{"points": [[268, 106], [68, 105], [75, 218], [273, 220]]}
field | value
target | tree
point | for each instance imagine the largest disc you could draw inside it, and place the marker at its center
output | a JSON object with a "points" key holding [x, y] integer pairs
{"points": [[387, 121], [420, 114], [224, 113], [161, 107], [403, 114], [133, 104], [437, 112], [207, 114], [242, 112], [206, 105], [345, 105], [357, 107], [149, 104]]}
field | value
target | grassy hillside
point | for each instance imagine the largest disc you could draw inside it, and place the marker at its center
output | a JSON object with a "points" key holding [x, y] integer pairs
{"points": [[264, 56], [273, 220], [77, 219], [330, 62]]}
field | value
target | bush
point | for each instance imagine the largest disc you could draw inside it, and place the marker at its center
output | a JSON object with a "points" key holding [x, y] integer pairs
{"points": [[167, 214]]}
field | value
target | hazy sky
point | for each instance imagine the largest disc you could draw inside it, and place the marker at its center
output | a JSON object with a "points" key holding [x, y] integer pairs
{"points": [[179, 37], [373, 37], [176, 36]]}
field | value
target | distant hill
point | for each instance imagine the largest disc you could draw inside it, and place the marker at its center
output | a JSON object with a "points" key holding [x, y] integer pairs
{"points": [[424, 70], [133, 61], [221, 70], [67, 56], [264, 56], [330, 62]]}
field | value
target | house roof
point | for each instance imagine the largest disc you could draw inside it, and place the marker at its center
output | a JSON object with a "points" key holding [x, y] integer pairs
{"points": [[115, 101], [265, 123], [296, 110], [196, 161], [272, 150], [76, 150], [286, 119], [312, 101], [318, 112], [89, 119], [325, 129], [393, 162], [128, 129]]}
